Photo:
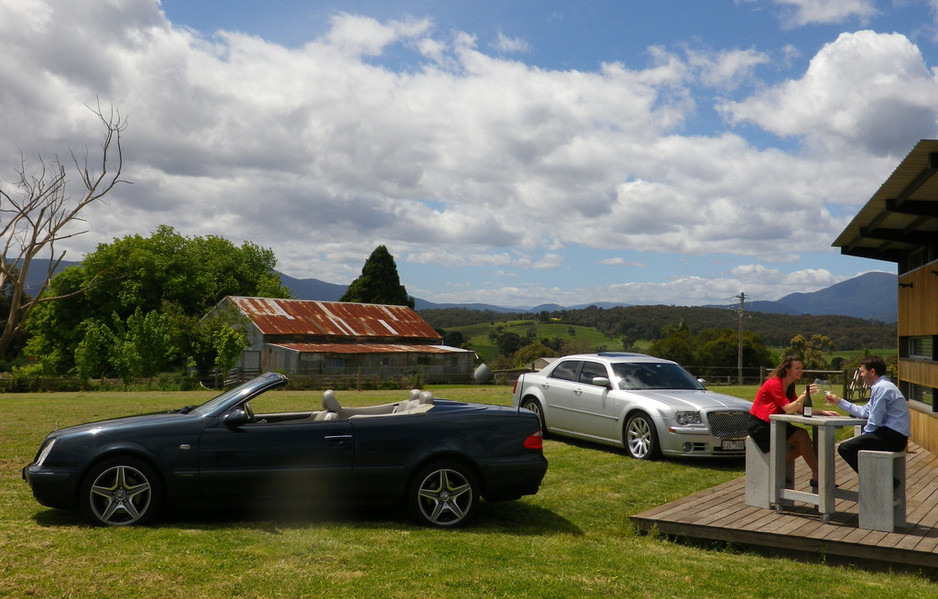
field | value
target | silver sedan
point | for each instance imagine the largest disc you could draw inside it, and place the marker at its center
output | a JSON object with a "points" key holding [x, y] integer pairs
{"points": [[647, 405]]}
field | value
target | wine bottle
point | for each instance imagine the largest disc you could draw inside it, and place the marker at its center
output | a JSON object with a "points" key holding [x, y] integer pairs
{"points": [[808, 410]]}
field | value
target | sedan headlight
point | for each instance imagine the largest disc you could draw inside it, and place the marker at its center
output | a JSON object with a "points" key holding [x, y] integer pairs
{"points": [[44, 453], [687, 417]]}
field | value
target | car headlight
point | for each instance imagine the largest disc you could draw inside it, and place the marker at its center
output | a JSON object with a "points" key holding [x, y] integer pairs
{"points": [[44, 453], [687, 417]]}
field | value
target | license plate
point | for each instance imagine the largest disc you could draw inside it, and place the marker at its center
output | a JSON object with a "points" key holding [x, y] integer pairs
{"points": [[734, 444]]}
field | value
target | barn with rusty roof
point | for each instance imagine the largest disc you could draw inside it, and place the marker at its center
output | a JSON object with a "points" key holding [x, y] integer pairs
{"points": [[336, 339]]}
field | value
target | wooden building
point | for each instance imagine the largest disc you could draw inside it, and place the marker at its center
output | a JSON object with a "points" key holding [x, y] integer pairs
{"points": [[899, 224], [318, 339]]}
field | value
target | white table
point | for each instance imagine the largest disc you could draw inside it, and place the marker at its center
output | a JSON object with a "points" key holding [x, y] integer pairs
{"points": [[824, 431]]}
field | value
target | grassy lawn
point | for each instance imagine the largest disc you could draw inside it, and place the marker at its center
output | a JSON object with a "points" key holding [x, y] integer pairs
{"points": [[574, 538]]}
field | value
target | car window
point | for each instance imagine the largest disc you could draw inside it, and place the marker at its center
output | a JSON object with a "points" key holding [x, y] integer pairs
{"points": [[591, 370], [654, 376], [566, 370]]}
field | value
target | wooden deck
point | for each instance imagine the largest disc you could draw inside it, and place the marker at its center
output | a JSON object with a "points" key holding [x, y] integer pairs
{"points": [[721, 514]]}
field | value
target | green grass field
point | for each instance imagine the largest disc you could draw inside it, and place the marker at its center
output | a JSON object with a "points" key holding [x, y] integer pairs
{"points": [[478, 335], [573, 539]]}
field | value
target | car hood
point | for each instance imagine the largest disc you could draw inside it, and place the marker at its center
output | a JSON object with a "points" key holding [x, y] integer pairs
{"points": [[692, 399], [121, 424]]}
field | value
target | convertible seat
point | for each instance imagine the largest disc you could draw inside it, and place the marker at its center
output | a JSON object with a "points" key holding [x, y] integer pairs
{"points": [[331, 406], [420, 401]]}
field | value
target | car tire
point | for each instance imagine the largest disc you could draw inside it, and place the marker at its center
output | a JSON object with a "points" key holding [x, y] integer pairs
{"points": [[641, 437], [443, 495], [121, 492], [534, 405]]}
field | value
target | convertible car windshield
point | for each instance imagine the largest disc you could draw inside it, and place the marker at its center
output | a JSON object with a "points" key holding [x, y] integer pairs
{"points": [[653, 376]]}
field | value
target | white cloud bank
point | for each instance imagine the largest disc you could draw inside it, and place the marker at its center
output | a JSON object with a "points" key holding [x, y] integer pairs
{"points": [[463, 158]]}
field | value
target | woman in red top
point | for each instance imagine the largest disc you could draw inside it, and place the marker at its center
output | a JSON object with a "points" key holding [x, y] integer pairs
{"points": [[777, 396]]}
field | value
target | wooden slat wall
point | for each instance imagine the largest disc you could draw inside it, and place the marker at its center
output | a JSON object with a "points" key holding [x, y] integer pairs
{"points": [[918, 298], [925, 430], [919, 372], [917, 313]]}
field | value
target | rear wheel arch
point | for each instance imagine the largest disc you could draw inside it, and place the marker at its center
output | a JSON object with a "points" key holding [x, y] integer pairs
{"points": [[536, 405], [453, 456], [444, 491]]}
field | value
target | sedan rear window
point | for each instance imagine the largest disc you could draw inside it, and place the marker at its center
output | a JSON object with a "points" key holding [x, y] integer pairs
{"points": [[654, 376], [566, 370]]}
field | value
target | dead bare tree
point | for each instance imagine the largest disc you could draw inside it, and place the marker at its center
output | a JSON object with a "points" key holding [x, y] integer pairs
{"points": [[35, 215]]}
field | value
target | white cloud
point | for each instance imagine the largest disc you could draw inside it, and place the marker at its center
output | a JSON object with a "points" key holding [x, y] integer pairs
{"points": [[353, 35], [812, 12], [865, 90], [507, 45], [460, 159], [726, 69], [618, 261]]}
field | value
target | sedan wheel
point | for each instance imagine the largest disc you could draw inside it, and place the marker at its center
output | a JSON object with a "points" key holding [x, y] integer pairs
{"points": [[535, 406], [641, 438], [443, 495], [121, 492]]}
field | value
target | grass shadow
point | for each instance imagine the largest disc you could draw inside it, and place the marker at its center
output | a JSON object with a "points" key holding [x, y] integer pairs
{"points": [[723, 464], [513, 517]]}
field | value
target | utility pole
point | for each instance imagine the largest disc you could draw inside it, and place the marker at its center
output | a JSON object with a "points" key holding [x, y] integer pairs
{"points": [[739, 354]]}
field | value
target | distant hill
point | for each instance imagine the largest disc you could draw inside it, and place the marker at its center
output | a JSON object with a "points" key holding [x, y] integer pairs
{"points": [[871, 296], [313, 289]]}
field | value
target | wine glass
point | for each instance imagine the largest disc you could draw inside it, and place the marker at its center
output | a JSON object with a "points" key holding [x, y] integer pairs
{"points": [[825, 388], [817, 385]]}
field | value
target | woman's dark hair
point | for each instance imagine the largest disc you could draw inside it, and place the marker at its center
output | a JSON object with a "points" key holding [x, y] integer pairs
{"points": [[782, 369]]}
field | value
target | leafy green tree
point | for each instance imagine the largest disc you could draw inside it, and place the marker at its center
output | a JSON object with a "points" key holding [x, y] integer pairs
{"points": [[508, 343], [91, 355], [720, 348], [228, 344], [677, 345], [217, 341], [531, 352], [379, 282], [812, 350], [150, 337], [180, 277]]}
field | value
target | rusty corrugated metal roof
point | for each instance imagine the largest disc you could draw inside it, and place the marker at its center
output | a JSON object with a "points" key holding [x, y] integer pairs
{"points": [[367, 348], [335, 319]]}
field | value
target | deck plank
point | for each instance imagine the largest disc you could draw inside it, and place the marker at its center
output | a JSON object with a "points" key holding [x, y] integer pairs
{"points": [[721, 514]]}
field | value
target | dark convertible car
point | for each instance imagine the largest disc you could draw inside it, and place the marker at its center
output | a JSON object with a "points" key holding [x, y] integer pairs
{"points": [[436, 456]]}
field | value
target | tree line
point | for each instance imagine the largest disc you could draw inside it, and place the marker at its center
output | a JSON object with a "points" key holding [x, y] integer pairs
{"points": [[634, 323]]}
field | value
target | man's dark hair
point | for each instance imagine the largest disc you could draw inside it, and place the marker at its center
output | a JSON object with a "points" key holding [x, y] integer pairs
{"points": [[874, 363]]}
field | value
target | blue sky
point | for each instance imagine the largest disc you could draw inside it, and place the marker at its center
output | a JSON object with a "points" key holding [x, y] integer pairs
{"points": [[513, 153]]}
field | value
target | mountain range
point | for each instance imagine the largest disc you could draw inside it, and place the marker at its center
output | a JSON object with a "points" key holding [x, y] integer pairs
{"points": [[871, 296]]}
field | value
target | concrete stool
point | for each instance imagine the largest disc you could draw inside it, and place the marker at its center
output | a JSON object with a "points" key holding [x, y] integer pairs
{"points": [[758, 479], [881, 501]]}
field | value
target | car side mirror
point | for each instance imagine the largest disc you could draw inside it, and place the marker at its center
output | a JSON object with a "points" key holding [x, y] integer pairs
{"points": [[236, 418], [702, 382], [601, 381]]}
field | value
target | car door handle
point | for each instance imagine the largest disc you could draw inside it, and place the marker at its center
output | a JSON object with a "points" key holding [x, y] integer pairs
{"points": [[338, 439]]}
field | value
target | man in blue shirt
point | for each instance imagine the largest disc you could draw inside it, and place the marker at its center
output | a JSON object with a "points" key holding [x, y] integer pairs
{"points": [[888, 423]]}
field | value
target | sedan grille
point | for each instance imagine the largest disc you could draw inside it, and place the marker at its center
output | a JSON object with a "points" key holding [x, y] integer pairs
{"points": [[728, 424]]}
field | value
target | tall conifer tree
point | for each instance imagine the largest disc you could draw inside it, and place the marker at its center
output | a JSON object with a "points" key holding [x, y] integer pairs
{"points": [[379, 282]]}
